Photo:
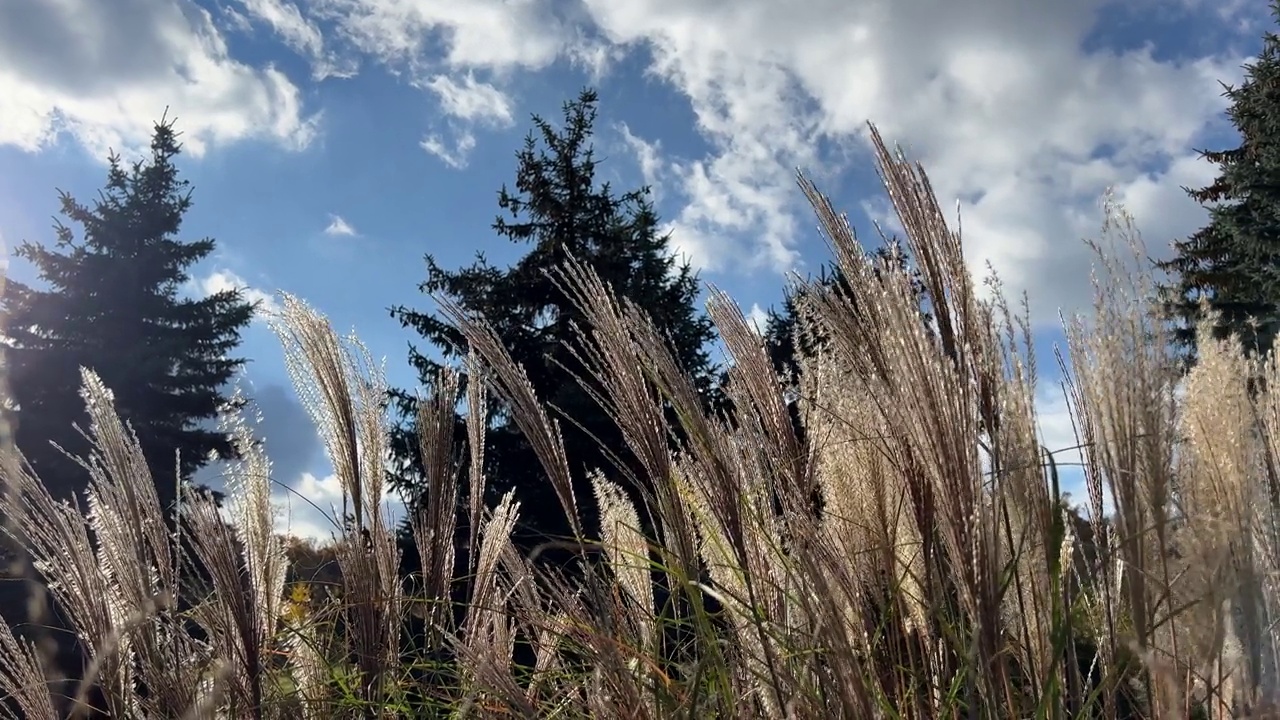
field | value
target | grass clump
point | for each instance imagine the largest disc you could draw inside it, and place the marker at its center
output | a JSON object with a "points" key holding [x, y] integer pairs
{"points": [[908, 555]]}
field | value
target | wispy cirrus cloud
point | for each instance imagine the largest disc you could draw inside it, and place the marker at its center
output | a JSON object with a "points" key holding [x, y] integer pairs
{"points": [[465, 104], [339, 227], [452, 152], [471, 100]]}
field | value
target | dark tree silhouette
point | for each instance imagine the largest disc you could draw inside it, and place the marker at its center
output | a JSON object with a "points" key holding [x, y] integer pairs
{"points": [[110, 302], [559, 209], [1234, 261]]}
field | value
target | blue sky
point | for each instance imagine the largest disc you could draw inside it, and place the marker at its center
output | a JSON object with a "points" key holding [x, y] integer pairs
{"points": [[332, 143]]}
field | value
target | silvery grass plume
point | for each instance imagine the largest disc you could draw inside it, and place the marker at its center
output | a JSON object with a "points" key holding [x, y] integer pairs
{"points": [[118, 572], [1121, 384], [487, 640], [1227, 509], [511, 382], [938, 400], [119, 588], [639, 380], [434, 528], [737, 499], [344, 393], [903, 554], [477, 418], [25, 676], [1184, 581], [627, 552], [502, 578], [245, 561], [587, 618], [711, 507], [1265, 639]]}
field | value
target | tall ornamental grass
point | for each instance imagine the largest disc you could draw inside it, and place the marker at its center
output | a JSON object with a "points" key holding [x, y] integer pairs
{"points": [[905, 553]]}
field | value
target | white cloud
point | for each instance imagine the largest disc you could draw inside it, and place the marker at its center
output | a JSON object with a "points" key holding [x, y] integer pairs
{"points": [[440, 45], [235, 20], [223, 280], [472, 100], [103, 72], [690, 243], [454, 155], [1160, 202], [999, 99], [648, 156], [322, 491], [340, 227], [308, 507], [692, 237], [758, 318], [498, 35], [1010, 106], [594, 55], [312, 504], [300, 33], [1247, 17], [284, 17], [467, 103]]}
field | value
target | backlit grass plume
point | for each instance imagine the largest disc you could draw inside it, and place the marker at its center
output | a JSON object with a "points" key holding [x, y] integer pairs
{"points": [[904, 551]]}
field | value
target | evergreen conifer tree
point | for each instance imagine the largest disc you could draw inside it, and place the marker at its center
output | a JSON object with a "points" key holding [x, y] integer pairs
{"points": [[111, 303], [559, 209], [1234, 261]]}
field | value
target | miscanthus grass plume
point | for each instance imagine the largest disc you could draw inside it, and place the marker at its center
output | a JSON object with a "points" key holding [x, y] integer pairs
{"points": [[905, 552]]}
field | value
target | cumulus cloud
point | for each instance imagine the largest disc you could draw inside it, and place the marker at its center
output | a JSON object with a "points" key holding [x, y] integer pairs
{"points": [[1015, 109], [313, 504], [103, 72], [758, 318], [441, 46], [222, 280], [1161, 204], [500, 35], [339, 227], [310, 505], [1006, 104]]}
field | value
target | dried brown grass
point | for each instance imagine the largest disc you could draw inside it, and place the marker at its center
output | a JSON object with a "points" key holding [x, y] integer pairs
{"points": [[907, 556]]}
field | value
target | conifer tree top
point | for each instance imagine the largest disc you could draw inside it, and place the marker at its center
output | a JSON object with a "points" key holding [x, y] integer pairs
{"points": [[1233, 262], [557, 208], [109, 299]]}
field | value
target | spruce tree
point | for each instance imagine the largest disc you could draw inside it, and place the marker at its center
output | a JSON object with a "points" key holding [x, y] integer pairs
{"points": [[559, 209], [111, 303], [1234, 261]]}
